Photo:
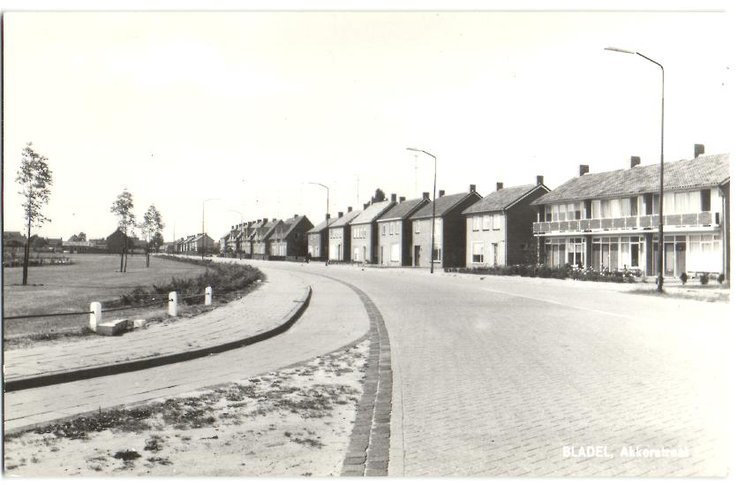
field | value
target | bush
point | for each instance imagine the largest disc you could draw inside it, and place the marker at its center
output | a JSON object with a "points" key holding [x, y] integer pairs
{"points": [[683, 277], [720, 278], [704, 278]]}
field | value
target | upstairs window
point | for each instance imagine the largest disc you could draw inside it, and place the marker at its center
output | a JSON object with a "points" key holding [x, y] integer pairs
{"points": [[487, 222], [476, 223], [706, 200]]}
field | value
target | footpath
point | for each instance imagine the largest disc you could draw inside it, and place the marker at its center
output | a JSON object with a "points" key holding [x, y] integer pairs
{"points": [[267, 311]]}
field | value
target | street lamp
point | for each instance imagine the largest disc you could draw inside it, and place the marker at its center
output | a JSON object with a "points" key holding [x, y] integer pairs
{"points": [[327, 197], [434, 197], [204, 236], [662, 166]]}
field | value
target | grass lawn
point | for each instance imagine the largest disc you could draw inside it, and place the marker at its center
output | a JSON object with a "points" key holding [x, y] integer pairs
{"points": [[70, 288]]}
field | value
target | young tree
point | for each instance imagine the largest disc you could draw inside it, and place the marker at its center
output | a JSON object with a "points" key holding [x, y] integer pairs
{"points": [[152, 224], [123, 209], [379, 196], [35, 178]]}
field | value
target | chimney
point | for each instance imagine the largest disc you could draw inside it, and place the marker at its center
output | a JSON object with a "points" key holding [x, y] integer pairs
{"points": [[341, 214], [472, 188], [698, 150], [441, 193], [328, 216], [393, 197], [265, 220], [402, 199], [635, 161], [365, 205], [425, 195], [274, 219], [500, 186], [583, 169], [539, 179], [295, 216]]}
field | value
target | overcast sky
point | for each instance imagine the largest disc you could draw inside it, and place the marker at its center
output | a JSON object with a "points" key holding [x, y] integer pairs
{"points": [[247, 107]]}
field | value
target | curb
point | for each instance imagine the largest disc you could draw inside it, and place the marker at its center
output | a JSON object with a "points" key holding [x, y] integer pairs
{"points": [[149, 362]]}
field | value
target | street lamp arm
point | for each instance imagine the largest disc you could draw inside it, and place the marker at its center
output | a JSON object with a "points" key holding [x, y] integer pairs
{"points": [[422, 151]]}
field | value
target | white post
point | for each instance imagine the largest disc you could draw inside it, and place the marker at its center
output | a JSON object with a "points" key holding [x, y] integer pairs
{"points": [[95, 316], [173, 304], [208, 296]]}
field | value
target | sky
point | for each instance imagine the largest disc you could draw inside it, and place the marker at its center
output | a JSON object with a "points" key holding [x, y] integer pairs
{"points": [[237, 111]]}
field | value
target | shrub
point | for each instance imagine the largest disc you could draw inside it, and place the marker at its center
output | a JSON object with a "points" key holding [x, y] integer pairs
{"points": [[720, 278], [683, 277], [704, 278]]}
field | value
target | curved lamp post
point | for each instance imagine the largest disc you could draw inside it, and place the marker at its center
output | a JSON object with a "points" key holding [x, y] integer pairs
{"points": [[434, 197], [327, 197], [662, 166]]}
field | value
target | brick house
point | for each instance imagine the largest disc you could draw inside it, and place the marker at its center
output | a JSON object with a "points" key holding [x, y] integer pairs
{"points": [[364, 231], [450, 230], [340, 236], [394, 232], [499, 227], [318, 240], [260, 245], [289, 239], [610, 220]]}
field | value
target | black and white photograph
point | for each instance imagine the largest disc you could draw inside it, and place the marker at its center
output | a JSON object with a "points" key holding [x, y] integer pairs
{"points": [[303, 240]]}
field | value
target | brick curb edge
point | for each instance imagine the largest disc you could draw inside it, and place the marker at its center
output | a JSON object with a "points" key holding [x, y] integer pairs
{"points": [[149, 362], [368, 451]]}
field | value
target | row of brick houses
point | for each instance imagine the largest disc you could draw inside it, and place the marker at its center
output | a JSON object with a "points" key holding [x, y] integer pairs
{"points": [[607, 221]]}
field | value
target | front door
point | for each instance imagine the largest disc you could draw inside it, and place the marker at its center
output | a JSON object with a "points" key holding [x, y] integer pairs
{"points": [[669, 259], [381, 261], [417, 255], [495, 252]]}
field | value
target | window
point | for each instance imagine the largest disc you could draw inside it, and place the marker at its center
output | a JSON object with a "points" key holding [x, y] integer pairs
{"points": [[597, 209], [416, 227], [398, 227], [382, 229], [576, 251], [437, 254], [497, 222], [633, 206], [706, 200], [486, 223], [478, 252], [476, 223], [395, 253]]}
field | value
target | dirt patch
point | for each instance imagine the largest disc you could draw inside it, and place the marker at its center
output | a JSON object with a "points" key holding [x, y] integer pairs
{"points": [[293, 422]]}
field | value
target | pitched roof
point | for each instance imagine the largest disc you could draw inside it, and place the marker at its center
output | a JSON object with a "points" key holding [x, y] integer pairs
{"points": [[345, 219], [701, 172], [442, 205], [402, 210], [501, 199], [282, 230], [263, 233], [320, 227], [373, 212]]}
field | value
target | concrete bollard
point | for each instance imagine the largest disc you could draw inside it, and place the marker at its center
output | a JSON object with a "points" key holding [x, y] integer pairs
{"points": [[95, 317], [208, 296], [173, 304]]}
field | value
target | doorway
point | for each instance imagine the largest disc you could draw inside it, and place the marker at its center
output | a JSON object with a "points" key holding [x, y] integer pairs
{"points": [[417, 255]]}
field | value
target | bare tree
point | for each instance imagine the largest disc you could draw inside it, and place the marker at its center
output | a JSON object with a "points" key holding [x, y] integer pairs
{"points": [[123, 209], [35, 178], [152, 224]]}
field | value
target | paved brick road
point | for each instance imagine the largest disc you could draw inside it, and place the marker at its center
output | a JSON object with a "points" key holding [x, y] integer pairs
{"points": [[495, 376]]}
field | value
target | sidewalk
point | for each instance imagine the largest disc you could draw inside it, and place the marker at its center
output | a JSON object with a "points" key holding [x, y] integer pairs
{"points": [[268, 310]]}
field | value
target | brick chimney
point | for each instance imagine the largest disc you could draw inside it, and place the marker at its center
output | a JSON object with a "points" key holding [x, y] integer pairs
{"points": [[349, 208], [425, 195], [265, 220], [295, 216], [583, 169], [635, 161], [365, 205], [393, 197], [472, 188], [539, 179], [341, 214], [441, 193], [698, 150], [402, 199], [500, 186]]}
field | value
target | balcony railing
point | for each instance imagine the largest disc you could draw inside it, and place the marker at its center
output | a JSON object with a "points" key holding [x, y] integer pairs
{"points": [[700, 219]]}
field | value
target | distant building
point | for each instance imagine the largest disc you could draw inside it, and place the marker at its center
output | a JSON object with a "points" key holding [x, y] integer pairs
{"points": [[450, 230], [289, 239], [340, 236], [318, 240], [364, 231], [394, 232]]}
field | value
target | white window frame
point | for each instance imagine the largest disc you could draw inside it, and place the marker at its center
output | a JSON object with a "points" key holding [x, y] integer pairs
{"points": [[479, 253]]}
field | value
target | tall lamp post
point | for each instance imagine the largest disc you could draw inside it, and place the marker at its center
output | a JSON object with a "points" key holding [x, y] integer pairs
{"points": [[204, 236], [434, 198], [327, 197], [661, 247]]}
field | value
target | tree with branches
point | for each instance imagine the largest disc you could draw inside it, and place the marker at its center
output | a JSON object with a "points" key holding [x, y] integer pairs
{"points": [[379, 196], [152, 224], [35, 178], [123, 208]]}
